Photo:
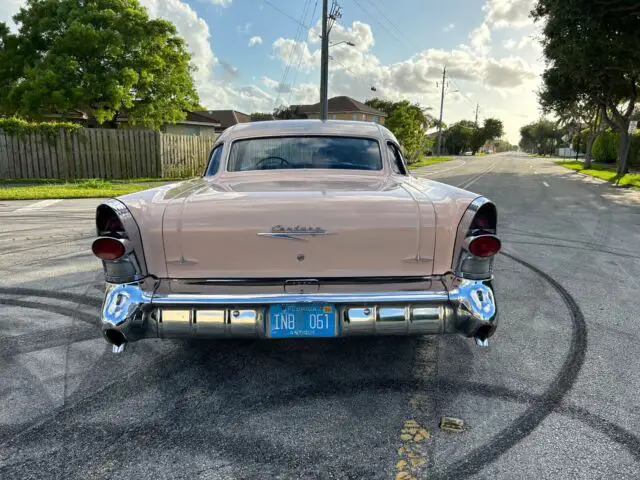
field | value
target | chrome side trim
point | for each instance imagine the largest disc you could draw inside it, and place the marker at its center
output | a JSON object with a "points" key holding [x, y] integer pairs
{"points": [[133, 233], [463, 228], [270, 299], [294, 235], [277, 281]]}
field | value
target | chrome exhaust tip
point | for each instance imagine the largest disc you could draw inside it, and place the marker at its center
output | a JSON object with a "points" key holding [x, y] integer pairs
{"points": [[117, 340], [482, 336]]}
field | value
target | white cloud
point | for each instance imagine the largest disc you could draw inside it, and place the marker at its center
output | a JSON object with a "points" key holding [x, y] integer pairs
{"points": [[523, 42], [508, 13], [495, 82], [253, 41], [8, 10], [222, 3], [481, 39], [193, 29], [290, 51], [448, 28]]}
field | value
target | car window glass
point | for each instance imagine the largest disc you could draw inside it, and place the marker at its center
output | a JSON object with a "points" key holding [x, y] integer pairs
{"points": [[283, 153], [397, 163], [214, 160]]}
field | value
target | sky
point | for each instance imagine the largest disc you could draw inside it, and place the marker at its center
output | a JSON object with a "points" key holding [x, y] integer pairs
{"points": [[253, 55]]}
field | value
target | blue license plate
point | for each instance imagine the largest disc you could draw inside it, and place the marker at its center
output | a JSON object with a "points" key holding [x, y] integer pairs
{"points": [[297, 321]]}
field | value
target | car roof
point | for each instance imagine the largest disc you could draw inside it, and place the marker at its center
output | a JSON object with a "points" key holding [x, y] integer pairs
{"points": [[274, 128]]}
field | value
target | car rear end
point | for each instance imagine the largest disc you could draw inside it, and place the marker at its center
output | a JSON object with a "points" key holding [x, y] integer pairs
{"points": [[297, 255], [141, 305]]}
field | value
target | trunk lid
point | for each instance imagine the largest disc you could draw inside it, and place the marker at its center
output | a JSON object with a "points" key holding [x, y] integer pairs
{"points": [[302, 225]]}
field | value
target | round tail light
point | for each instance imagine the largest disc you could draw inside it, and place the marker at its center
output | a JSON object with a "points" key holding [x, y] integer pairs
{"points": [[484, 246], [108, 248]]}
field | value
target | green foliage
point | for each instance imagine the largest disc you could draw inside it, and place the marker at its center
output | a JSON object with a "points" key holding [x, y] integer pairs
{"points": [[99, 57], [593, 59], [606, 145], [605, 148], [19, 127], [285, 113], [424, 161], [459, 137], [92, 188], [541, 137], [261, 117], [492, 129], [408, 122], [604, 172], [634, 151]]}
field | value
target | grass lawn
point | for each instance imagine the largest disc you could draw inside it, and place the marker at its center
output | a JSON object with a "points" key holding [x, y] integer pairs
{"points": [[424, 161], [94, 188], [605, 172]]}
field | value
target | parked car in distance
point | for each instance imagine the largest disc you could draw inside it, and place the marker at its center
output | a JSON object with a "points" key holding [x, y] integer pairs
{"points": [[299, 229]]}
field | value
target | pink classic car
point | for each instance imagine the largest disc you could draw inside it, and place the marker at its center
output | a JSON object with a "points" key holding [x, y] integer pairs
{"points": [[298, 229]]}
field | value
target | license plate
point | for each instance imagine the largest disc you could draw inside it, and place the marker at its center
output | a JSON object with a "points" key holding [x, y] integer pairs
{"points": [[297, 321]]}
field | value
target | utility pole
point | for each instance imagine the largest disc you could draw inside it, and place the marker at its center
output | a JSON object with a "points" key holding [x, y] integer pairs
{"points": [[444, 76], [324, 63], [477, 107]]}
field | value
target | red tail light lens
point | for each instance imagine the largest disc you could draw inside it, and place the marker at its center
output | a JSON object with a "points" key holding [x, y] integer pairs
{"points": [[108, 249], [484, 246]]}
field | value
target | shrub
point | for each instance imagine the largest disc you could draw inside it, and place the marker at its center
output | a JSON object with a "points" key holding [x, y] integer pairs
{"points": [[605, 147], [634, 151]]}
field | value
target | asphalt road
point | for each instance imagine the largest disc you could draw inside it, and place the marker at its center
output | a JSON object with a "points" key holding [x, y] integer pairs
{"points": [[554, 396]]}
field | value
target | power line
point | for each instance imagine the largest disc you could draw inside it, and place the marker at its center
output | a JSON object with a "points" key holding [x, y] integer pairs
{"points": [[381, 12], [295, 74], [300, 23], [464, 95], [380, 23], [286, 14]]}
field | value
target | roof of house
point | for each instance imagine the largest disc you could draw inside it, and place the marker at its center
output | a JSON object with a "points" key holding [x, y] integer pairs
{"points": [[341, 104], [226, 118]]}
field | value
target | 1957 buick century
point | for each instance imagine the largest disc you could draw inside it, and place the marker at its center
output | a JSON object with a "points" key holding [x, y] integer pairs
{"points": [[298, 229]]}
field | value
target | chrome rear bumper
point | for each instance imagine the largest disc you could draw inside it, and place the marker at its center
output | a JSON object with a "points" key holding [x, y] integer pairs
{"points": [[130, 313]]}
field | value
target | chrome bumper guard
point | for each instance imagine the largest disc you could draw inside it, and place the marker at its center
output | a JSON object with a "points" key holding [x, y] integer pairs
{"points": [[130, 313]]}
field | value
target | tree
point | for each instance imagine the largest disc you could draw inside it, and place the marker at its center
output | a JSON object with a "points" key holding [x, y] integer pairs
{"points": [[541, 137], [260, 117], [592, 54], [285, 113], [408, 122], [99, 57], [459, 137], [491, 130]]}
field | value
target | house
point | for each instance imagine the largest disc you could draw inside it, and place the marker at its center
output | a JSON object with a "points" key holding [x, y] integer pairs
{"points": [[343, 108], [227, 118], [195, 124]]}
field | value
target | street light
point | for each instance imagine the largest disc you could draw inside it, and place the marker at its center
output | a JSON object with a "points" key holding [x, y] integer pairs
{"points": [[348, 42]]}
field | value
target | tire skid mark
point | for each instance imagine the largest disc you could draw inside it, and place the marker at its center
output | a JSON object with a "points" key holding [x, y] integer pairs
{"points": [[64, 296], [544, 404], [594, 248], [573, 241], [45, 245], [67, 312], [45, 339]]}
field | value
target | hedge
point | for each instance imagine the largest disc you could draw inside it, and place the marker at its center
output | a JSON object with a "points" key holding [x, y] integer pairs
{"points": [[605, 148]]}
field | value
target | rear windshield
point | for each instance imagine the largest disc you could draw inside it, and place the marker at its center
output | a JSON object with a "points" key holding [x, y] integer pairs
{"points": [[283, 153]]}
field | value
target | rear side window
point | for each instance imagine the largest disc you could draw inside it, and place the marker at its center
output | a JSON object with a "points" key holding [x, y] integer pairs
{"points": [[214, 161], [397, 162]]}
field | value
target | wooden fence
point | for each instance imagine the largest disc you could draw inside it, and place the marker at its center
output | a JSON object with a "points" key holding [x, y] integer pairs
{"points": [[98, 153]]}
